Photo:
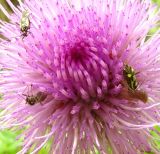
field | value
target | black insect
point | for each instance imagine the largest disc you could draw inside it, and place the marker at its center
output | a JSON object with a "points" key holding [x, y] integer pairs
{"points": [[34, 99]]}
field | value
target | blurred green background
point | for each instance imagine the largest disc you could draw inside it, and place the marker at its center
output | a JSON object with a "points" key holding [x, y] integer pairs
{"points": [[8, 142]]}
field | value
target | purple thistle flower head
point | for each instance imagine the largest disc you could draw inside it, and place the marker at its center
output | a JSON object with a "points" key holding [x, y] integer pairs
{"points": [[80, 73]]}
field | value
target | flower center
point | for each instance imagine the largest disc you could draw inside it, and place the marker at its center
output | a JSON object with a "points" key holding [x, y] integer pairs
{"points": [[78, 52]]}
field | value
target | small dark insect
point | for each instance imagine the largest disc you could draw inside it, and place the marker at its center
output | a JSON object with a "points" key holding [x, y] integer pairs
{"points": [[131, 81], [25, 23], [130, 76], [34, 99]]}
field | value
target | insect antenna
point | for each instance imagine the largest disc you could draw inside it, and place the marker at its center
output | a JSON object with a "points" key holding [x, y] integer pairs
{"points": [[21, 96]]}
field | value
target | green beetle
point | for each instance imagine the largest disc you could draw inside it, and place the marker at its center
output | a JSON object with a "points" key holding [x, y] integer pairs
{"points": [[132, 83], [25, 23], [130, 76]]}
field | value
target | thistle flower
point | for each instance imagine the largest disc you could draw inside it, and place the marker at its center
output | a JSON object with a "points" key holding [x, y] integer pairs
{"points": [[64, 79]]}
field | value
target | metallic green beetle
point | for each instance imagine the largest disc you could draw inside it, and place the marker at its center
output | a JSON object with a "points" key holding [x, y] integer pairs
{"points": [[132, 83], [25, 23], [130, 76]]}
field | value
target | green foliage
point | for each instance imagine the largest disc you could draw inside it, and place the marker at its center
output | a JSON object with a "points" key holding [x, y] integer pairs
{"points": [[6, 6], [1, 96], [157, 128], [156, 140], [148, 153], [8, 142], [45, 149], [157, 2]]}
